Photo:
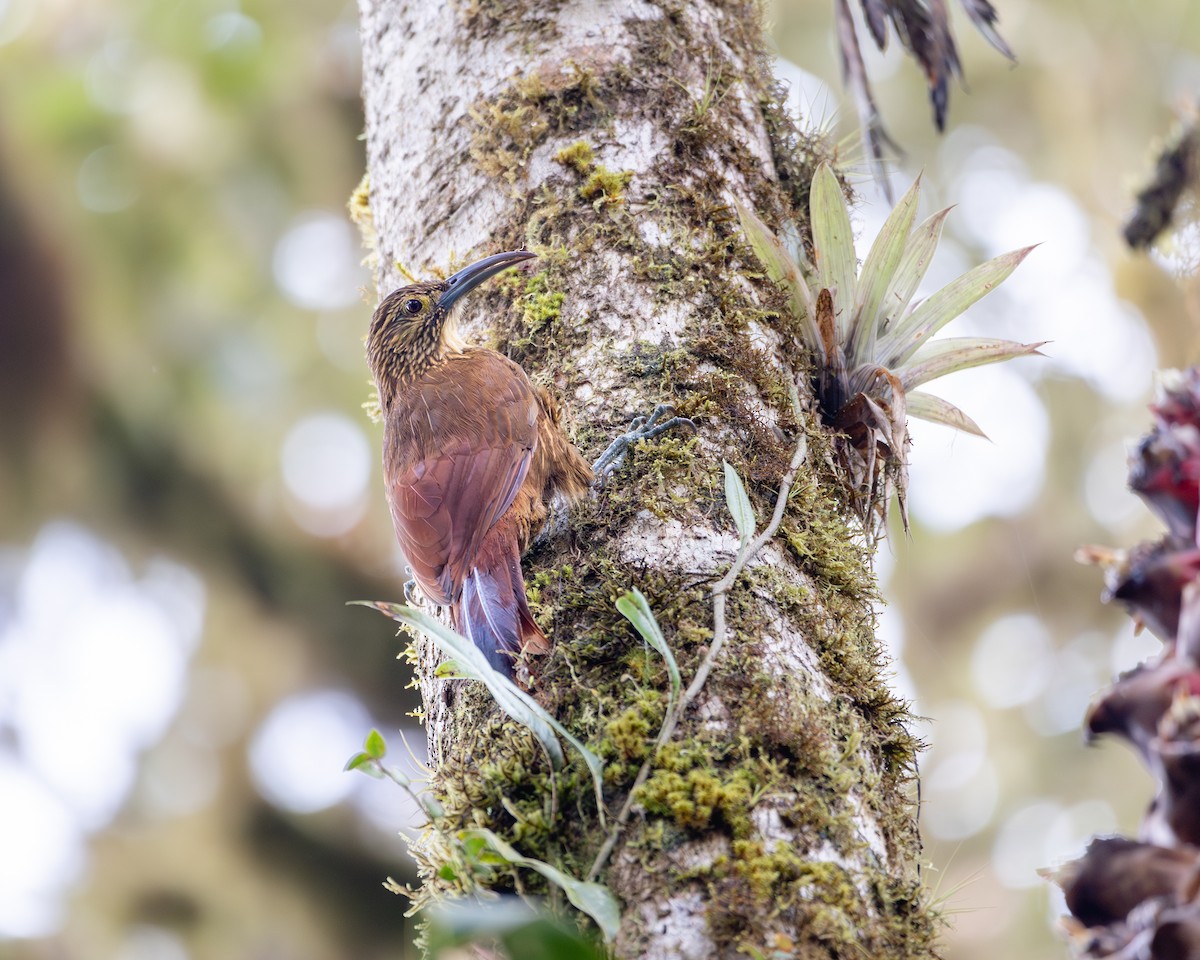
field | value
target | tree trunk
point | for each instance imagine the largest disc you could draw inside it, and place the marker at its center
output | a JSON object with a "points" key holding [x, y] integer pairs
{"points": [[612, 138]]}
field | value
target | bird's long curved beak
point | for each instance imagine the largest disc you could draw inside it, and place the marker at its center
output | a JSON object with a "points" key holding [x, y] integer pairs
{"points": [[468, 278]]}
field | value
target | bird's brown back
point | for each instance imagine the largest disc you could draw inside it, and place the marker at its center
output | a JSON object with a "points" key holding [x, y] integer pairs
{"points": [[467, 442]]}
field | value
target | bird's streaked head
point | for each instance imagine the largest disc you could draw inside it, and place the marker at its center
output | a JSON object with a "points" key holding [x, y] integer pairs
{"points": [[415, 326]]}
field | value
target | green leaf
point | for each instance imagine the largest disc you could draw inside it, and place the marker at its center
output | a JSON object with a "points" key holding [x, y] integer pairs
{"points": [[525, 933], [365, 763], [918, 255], [783, 270], [878, 273], [833, 244], [594, 899], [943, 306], [375, 746], [739, 504], [925, 406], [550, 939], [633, 606], [941, 357], [508, 696]]}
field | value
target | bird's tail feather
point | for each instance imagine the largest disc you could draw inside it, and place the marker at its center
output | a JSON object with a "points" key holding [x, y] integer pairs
{"points": [[493, 613]]}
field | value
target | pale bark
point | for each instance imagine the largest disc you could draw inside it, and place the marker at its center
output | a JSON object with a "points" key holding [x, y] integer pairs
{"points": [[467, 106]]}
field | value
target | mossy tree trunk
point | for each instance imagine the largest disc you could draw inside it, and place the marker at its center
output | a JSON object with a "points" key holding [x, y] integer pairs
{"points": [[611, 138]]}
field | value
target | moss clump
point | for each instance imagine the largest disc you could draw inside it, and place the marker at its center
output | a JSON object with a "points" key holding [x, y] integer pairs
{"points": [[532, 108], [605, 186], [359, 206], [579, 156], [540, 305], [694, 798]]}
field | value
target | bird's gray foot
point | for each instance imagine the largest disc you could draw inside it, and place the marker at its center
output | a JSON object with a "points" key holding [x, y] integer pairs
{"points": [[412, 593], [642, 428]]}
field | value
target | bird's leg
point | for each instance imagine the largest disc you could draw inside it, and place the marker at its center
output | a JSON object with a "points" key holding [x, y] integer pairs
{"points": [[412, 593], [642, 428]]}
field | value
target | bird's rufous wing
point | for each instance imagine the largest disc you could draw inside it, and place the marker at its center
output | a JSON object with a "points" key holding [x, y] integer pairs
{"points": [[477, 439]]}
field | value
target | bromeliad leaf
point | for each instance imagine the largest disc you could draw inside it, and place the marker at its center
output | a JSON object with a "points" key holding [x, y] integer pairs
{"points": [[833, 244], [941, 357], [872, 345], [925, 406], [508, 696], [940, 308], [783, 270], [594, 899], [879, 271], [917, 257], [739, 504]]}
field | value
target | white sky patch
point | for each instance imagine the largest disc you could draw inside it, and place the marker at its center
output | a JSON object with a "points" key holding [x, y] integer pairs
{"points": [[318, 262], [1063, 291], [956, 726], [1106, 491], [326, 464], [298, 754], [43, 852], [955, 478], [1046, 834], [1129, 648], [1079, 669], [92, 669], [959, 793], [891, 633], [1019, 849], [808, 96], [145, 942], [1012, 661]]}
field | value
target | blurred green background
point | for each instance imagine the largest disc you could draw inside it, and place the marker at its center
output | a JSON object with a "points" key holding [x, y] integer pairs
{"points": [[189, 490]]}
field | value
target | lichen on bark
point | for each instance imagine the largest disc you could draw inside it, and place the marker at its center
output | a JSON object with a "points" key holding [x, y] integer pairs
{"points": [[611, 139]]}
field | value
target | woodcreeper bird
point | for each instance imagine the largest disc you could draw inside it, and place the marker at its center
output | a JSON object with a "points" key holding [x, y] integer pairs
{"points": [[472, 454]]}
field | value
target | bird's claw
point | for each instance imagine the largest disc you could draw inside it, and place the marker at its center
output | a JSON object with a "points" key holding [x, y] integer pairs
{"points": [[412, 593], [642, 428]]}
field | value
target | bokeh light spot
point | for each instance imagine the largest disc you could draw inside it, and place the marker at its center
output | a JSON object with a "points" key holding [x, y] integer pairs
{"points": [[317, 262], [957, 479], [326, 463], [104, 183], [298, 753], [1011, 660]]}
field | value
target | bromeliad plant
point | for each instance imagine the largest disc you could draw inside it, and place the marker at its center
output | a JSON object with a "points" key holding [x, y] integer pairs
{"points": [[869, 340]]}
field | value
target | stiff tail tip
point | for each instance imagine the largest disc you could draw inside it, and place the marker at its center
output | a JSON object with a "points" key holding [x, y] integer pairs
{"points": [[494, 615]]}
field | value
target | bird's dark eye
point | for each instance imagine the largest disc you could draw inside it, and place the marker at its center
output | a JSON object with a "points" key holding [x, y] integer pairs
{"points": [[412, 307]]}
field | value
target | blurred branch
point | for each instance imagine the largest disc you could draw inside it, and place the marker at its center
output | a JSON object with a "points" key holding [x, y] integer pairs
{"points": [[923, 29], [1158, 201]]}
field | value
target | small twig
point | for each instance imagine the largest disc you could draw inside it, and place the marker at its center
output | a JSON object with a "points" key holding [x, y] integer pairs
{"points": [[745, 555], [720, 593]]}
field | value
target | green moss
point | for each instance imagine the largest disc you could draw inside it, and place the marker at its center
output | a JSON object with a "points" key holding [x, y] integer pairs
{"points": [[359, 207], [579, 156], [540, 306], [606, 186], [532, 108], [692, 799]]}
